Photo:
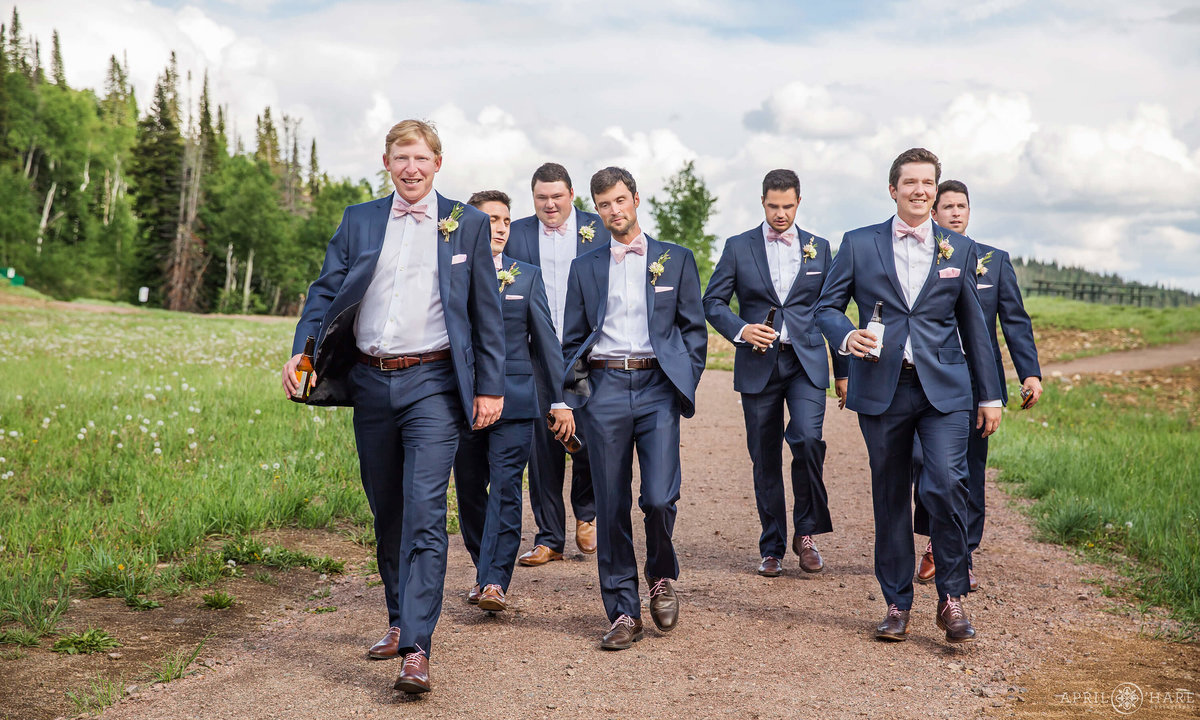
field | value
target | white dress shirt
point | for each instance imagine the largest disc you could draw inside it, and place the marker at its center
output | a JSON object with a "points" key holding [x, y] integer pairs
{"points": [[556, 253], [401, 312], [626, 329], [783, 263]]}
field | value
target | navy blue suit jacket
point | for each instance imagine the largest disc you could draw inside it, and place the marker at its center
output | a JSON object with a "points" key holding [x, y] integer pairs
{"points": [[529, 340], [467, 288], [999, 295], [524, 243], [743, 270], [678, 333], [948, 306]]}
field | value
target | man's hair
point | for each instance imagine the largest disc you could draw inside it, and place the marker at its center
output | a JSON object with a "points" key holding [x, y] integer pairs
{"points": [[607, 178], [484, 196], [957, 186], [781, 180], [549, 173], [915, 155], [407, 131]]}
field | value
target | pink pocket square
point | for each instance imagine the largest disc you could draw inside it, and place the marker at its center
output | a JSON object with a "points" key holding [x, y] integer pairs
{"points": [[513, 297], [949, 273]]}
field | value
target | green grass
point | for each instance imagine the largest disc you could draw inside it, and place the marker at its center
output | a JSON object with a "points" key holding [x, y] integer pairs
{"points": [[100, 694], [92, 640], [175, 664], [218, 600], [1114, 477], [1155, 326], [130, 439], [18, 636]]}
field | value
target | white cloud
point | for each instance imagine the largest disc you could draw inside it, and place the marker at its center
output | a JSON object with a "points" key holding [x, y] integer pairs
{"points": [[807, 111]]}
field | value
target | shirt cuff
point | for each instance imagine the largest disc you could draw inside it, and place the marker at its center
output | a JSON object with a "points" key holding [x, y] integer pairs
{"points": [[738, 338], [559, 406], [842, 349], [991, 403]]}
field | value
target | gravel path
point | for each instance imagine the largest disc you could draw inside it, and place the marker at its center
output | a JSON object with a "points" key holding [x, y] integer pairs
{"points": [[746, 646], [1151, 358]]}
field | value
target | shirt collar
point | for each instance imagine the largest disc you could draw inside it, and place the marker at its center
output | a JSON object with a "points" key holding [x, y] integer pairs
{"points": [[568, 223]]}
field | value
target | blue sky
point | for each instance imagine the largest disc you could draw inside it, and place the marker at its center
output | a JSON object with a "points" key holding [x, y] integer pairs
{"points": [[1075, 122]]}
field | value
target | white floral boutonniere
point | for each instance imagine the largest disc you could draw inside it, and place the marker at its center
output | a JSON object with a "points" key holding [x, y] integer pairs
{"points": [[809, 250], [508, 277], [588, 232], [944, 250], [981, 266], [656, 268], [448, 225]]}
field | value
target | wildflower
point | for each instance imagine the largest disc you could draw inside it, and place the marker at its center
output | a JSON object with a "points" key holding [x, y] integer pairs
{"points": [[257, 411], [158, 451], [276, 466], [191, 431], [149, 396], [120, 445], [192, 446], [120, 566], [159, 423], [1129, 524], [79, 436]]}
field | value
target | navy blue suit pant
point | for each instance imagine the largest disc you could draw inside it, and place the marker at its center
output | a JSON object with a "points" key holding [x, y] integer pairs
{"points": [[547, 468]]}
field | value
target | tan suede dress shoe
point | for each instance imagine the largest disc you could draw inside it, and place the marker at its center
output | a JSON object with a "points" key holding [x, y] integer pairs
{"points": [[388, 647], [414, 676], [539, 555], [585, 536], [926, 570], [624, 633]]}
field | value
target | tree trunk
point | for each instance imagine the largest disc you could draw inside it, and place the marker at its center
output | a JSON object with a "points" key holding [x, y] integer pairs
{"points": [[106, 204], [46, 215], [87, 166], [246, 285]]}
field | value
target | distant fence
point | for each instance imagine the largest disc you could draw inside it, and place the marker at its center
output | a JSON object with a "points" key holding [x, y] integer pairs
{"points": [[1110, 293]]}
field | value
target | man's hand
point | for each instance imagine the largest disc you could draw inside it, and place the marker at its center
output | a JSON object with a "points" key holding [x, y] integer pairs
{"points": [[839, 388], [988, 419], [1031, 392], [291, 386], [487, 410], [563, 425], [758, 335], [860, 342]]}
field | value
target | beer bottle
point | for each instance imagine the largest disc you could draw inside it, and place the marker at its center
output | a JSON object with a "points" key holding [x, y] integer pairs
{"points": [[304, 370], [573, 444], [875, 327], [769, 322]]}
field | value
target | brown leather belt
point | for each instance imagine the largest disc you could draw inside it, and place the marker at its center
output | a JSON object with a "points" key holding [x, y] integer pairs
{"points": [[402, 362], [626, 364], [906, 365]]}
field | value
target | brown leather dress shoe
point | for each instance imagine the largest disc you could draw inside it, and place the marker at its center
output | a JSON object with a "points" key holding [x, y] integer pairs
{"points": [[414, 676], [810, 558], [388, 647], [664, 606], [894, 627], [974, 581], [953, 619], [926, 570], [492, 599], [539, 555], [623, 634], [473, 594], [770, 567], [585, 536]]}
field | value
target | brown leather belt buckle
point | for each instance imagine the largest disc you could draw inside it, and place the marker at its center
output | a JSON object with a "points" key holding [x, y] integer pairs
{"points": [[402, 362], [906, 365]]}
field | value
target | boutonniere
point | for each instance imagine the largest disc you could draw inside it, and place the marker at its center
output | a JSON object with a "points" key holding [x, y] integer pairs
{"points": [[587, 232], [981, 266], [448, 225], [656, 268], [508, 277], [809, 250], [944, 250]]}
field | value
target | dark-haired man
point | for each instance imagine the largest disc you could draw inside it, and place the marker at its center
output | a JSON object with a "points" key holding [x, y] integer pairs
{"points": [[491, 462], [779, 265], [409, 332], [635, 341], [924, 276], [999, 296], [552, 238]]}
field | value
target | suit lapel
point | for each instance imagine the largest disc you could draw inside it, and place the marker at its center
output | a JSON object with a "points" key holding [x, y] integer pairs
{"points": [[883, 242], [532, 237], [600, 286], [933, 266], [758, 251], [445, 250]]}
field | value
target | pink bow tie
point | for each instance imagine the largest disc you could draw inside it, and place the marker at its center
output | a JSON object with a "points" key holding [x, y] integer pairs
{"points": [[786, 238], [496, 260], [552, 231], [400, 208], [637, 247], [920, 234]]}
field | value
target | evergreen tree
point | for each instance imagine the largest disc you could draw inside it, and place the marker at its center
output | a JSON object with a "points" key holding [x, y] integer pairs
{"points": [[56, 63], [314, 172], [681, 217]]}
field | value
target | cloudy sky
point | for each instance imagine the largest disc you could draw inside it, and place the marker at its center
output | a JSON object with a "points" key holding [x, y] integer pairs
{"points": [[1076, 123]]}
